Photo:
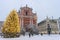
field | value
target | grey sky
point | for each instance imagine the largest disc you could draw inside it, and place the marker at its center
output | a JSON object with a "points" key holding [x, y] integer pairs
{"points": [[43, 8]]}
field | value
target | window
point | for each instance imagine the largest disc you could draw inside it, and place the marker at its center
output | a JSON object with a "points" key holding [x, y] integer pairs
{"points": [[26, 13]]}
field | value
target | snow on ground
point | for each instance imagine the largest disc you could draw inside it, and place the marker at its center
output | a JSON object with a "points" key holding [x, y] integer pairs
{"points": [[35, 37]]}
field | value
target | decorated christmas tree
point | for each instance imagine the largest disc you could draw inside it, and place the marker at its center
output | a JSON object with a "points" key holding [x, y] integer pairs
{"points": [[11, 27]]}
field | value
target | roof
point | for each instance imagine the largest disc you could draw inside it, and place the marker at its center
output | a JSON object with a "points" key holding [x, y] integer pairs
{"points": [[51, 20], [26, 7]]}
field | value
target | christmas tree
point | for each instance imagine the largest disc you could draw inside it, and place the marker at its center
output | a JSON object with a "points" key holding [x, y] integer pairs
{"points": [[11, 26]]}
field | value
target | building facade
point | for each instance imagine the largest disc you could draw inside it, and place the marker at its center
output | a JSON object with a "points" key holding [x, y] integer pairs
{"points": [[48, 25], [27, 17]]}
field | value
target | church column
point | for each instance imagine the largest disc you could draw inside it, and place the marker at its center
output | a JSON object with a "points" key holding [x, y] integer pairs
{"points": [[31, 21], [22, 22]]}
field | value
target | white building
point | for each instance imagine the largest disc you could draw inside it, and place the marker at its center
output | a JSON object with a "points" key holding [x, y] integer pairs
{"points": [[48, 23]]}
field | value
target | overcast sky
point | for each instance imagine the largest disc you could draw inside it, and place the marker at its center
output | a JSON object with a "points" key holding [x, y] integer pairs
{"points": [[43, 8]]}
